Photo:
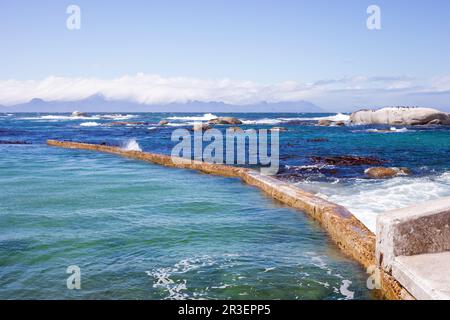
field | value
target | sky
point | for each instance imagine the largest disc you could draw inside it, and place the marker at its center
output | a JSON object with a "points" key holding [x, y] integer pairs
{"points": [[232, 51]]}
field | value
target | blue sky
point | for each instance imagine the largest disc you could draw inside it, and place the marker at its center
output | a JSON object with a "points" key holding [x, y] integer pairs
{"points": [[264, 44]]}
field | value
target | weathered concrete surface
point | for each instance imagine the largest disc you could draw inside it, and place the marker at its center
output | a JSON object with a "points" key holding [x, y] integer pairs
{"points": [[427, 276], [423, 228], [400, 116], [413, 247], [344, 228]]}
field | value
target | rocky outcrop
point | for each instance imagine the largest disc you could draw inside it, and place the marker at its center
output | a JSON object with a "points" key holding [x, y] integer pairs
{"points": [[400, 116], [347, 160], [201, 127], [78, 114], [330, 123], [383, 173], [225, 120]]}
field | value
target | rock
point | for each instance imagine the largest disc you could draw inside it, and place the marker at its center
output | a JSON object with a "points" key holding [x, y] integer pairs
{"points": [[235, 129], [78, 114], [163, 123], [330, 123], [382, 172], [325, 123], [13, 142], [400, 116], [347, 160], [225, 120], [201, 127]]}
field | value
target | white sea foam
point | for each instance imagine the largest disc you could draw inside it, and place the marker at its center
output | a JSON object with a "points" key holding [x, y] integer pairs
{"points": [[131, 145], [90, 124], [391, 130], [273, 121], [263, 121], [116, 117], [205, 117], [60, 117], [366, 198]]}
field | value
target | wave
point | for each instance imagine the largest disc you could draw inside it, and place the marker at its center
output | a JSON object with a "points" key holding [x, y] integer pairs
{"points": [[60, 117], [390, 130], [272, 121], [205, 117], [116, 117], [131, 145], [366, 198], [90, 124]]}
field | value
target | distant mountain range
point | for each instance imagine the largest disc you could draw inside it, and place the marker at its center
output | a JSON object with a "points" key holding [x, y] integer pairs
{"points": [[98, 103]]}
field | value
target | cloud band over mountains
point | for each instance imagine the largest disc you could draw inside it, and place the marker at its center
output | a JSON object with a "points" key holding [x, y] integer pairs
{"points": [[332, 94]]}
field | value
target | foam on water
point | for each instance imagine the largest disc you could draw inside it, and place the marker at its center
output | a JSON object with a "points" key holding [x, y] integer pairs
{"points": [[273, 121], [131, 145], [205, 117], [90, 124], [366, 198]]}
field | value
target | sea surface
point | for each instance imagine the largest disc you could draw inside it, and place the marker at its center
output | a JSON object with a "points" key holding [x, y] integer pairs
{"points": [[140, 231]]}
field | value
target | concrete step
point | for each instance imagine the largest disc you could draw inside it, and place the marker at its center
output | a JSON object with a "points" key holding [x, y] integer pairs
{"points": [[425, 276]]}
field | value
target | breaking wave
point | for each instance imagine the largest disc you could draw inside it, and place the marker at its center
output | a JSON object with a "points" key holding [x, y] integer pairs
{"points": [[366, 198], [131, 145]]}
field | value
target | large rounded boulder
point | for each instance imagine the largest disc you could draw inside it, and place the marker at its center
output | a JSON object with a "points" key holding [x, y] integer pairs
{"points": [[400, 116], [383, 173]]}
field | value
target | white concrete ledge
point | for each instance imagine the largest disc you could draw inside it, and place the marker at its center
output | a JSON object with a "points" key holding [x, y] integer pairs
{"points": [[413, 246]]}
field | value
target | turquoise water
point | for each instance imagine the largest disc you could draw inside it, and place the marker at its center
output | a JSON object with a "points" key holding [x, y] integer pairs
{"points": [[140, 231]]}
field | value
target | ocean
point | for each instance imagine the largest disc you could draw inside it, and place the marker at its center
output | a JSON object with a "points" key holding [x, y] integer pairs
{"points": [[140, 231]]}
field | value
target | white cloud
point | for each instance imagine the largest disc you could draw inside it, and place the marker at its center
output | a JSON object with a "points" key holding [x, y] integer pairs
{"points": [[154, 89]]}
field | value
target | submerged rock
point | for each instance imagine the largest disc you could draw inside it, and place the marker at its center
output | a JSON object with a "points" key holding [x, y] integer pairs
{"points": [[318, 140], [225, 120], [400, 116], [347, 160], [13, 142], [382, 172]]}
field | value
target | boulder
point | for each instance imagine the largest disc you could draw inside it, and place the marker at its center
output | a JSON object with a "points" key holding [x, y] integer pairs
{"points": [[325, 123], [78, 114], [163, 123], [382, 172], [201, 127], [400, 116], [330, 123], [225, 120], [235, 129]]}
